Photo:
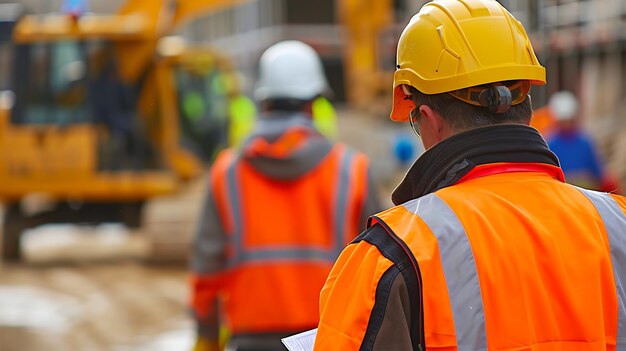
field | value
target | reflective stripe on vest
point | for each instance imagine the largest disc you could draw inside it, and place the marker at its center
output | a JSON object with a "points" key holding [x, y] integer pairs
{"points": [[615, 224], [459, 269], [301, 253]]}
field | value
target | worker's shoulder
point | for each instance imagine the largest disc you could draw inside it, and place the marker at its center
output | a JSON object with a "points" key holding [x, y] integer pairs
{"points": [[365, 247], [387, 244]]}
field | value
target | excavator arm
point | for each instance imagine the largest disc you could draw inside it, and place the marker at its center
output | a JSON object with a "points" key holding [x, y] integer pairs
{"points": [[186, 10], [162, 17], [168, 15]]}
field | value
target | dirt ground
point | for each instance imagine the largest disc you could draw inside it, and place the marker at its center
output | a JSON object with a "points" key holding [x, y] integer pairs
{"points": [[93, 306], [98, 288]]}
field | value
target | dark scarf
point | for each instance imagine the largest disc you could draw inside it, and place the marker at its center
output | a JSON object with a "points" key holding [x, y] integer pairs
{"points": [[449, 160]]}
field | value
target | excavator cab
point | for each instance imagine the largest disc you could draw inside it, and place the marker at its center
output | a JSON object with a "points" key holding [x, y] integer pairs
{"points": [[85, 141], [202, 100]]}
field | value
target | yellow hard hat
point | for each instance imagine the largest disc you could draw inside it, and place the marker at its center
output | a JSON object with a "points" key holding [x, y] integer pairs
{"points": [[456, 44]]}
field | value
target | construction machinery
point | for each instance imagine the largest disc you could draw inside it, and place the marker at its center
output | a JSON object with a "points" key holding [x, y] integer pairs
{"points": [[106, 112]]}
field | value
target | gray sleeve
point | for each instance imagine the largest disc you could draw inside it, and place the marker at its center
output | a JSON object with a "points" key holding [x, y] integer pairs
{"points": [[371, 205], [208, 254], [394, 332], [208, 257]]}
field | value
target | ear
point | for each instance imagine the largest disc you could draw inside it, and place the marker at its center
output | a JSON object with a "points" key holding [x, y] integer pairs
{"points": [[432, 125]]}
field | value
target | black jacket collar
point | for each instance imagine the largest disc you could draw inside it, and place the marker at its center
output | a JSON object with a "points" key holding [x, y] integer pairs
{"points": [[449, 160]]}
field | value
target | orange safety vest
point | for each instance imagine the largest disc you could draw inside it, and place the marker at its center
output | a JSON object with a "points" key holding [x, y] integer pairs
{"points": [[284, 236], [509, 258]]}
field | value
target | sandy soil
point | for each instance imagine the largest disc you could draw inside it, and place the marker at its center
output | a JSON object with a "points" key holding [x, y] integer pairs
{"points": [[93, 306]]}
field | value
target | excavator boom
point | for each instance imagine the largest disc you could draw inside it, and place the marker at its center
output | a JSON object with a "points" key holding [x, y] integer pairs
{"points": [[167, 15]]}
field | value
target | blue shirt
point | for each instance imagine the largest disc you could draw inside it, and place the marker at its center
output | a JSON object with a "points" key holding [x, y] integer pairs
{"points": [[578, 157]]}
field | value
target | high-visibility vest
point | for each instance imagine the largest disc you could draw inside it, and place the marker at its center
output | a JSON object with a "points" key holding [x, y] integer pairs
{"points": [[242, 112], [324, 117], [509, 258], [284, 236]]}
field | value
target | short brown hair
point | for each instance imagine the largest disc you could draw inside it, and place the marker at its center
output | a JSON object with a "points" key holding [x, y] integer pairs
{"points": [[463, 116]]}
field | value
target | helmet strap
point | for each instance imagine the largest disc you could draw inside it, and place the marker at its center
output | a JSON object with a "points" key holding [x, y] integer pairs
{"points": [[412, 121]]}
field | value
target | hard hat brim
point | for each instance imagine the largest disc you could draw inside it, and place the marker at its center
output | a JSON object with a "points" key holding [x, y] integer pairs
{"points": [[402, 107]]}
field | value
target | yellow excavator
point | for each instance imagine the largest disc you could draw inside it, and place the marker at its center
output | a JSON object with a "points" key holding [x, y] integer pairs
{"points": [[110, 111], [107, 112]]}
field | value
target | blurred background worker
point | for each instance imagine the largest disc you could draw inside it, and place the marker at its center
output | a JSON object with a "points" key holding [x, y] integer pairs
{"points": [[487, 248], [577, 153], [278, 212]]}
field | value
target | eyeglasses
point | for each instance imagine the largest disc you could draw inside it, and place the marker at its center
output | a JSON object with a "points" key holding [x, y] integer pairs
{"points": [[415, 113], [414, 116]]}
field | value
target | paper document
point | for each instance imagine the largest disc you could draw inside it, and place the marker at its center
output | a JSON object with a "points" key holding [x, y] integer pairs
{"points": [[301, 342]]}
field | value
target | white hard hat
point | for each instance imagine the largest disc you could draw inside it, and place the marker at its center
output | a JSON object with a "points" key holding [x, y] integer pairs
{"points": [[564, 105], [290, 70]]}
